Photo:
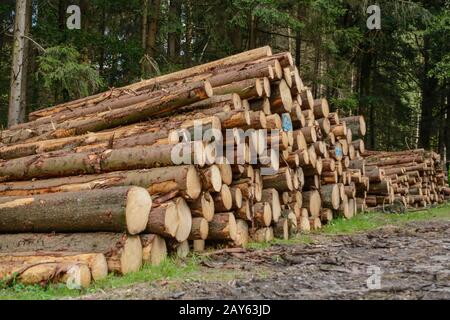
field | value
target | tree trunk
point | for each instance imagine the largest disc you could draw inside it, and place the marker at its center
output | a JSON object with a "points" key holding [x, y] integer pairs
{"points": [[154, 249], [181, 179], [223, 227], [74, 275], [95, 261], [240, 58], [69, 164], [114, 210], [429, 97], [153, 28], [123, 252], [18, 92], [173, 42]]}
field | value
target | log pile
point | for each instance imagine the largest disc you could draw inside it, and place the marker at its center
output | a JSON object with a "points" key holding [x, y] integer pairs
{"points": [[228, 152], [412, 178]]}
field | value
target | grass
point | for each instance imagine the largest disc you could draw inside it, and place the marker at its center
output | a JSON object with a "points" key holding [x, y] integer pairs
{"points": [[374, 220], [189, 269]]}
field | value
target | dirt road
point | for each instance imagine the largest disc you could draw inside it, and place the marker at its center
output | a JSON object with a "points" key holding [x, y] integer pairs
{"points": [[408, 262]]}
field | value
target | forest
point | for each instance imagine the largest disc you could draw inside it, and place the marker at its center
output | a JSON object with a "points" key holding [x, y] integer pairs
{"points": [[398, 76]]}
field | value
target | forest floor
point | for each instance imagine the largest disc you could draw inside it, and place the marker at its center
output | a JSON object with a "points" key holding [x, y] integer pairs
{"points": [[373, 256]]}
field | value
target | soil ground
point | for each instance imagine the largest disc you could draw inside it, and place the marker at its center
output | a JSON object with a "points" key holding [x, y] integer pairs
{"points": [[412, 261]]}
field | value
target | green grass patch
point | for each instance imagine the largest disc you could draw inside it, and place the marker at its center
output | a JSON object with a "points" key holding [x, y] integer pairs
{"points": [[374, 220], [170, 269], [189, 269]]}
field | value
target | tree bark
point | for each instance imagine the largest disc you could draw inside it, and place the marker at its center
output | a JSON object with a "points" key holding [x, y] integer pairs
{"points": [[18, 92], [95, 261], [114, 210], [68, 164], [123, 252]]}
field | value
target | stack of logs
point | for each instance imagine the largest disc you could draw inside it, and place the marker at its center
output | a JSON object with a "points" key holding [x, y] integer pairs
{"points": [[92, 186], [412, 178]]}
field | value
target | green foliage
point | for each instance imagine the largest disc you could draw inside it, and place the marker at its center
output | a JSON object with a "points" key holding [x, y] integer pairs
{"points": [[63, 73]]}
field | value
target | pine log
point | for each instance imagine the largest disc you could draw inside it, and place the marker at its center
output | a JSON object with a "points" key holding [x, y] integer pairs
{"points": [[117, 209], [114, 118], [123, 252], [281, 229], [282, 181], [330, 196], [223, 227], [154, 249], [312, 202], [199, 230], [262, 214], [73, 275], [172, 77], [65, 164], [203, 206], [272, 197], [321, 108], [242, 236], [357, 125], [281, 98], [95, 261]]}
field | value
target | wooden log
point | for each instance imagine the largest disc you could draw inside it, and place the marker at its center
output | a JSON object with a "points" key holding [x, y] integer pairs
{"points": [[297, 117], [344, 210], [74, 275], [123, 252], [212, 178], [359, 145], [230, 101], [262, 214], [281, 229], [242, 236], [154, 249], [179, 249], [203, 206], [114, 210], [281, 98], [176, 76], [114, 118], [307, 100], [223, 201], [330, 195], [339, 130], [315, 223], [312, 202], [282, 181], [198, 245], [95, 261], [357, 125], [223, 227], [171, 219], [245, 212], [262, 104], [321, 108], [57, 165], [199, 230], [326, 216], [310, 134], [246, 89], [303, 222], [272, 197]]}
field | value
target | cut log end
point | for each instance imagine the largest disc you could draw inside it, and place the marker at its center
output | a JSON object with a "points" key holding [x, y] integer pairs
{"points": [[193, 183], [185, 220], [131, 258], [138, 206]]}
